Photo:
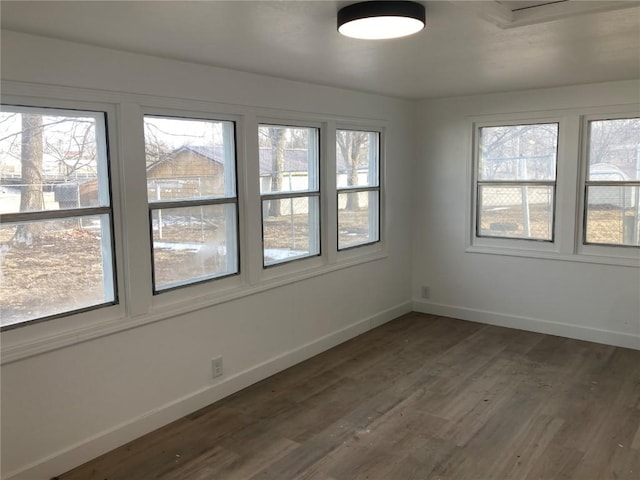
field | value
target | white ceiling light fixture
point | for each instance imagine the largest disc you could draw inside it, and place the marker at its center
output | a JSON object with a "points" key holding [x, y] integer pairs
{"points": [[378, 20]]}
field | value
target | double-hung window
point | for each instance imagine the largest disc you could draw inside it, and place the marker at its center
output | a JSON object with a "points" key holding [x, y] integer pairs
{"points": [[612, 186], [358, 187], [56, 218], [289, 159], [516, 181], [193, 204]]}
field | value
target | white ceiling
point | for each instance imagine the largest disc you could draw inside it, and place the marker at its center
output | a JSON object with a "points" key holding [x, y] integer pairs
{"points": [[459, 53]]}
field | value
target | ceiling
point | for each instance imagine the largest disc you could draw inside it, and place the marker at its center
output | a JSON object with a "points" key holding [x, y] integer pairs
{"points": [[461, 52]]}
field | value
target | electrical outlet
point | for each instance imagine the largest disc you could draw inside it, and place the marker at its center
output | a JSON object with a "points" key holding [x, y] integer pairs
{"points": [[216, 367], [426, 292]]}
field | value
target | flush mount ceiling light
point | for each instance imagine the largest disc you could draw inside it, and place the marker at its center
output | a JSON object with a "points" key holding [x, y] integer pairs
{"points": [[380, 20]]}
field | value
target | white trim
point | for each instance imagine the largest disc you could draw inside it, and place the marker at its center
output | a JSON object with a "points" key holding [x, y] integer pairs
{"points": [[515, 242], [569, 204], [579, 332], [78, 453], [49, 92], [613, 250], [504, 17], [132, 243], [314, 208], [42, 344], [107, 118], [552, 255]]}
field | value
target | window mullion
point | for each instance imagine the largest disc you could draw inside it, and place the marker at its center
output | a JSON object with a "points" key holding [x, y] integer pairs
{"points": [[137, 266]]}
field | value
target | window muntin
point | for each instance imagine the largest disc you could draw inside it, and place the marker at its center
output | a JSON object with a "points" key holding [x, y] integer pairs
{"points": [[516, 181], [612, 186], [193, 205], [358, 187], [289, 158], [56, 218]]}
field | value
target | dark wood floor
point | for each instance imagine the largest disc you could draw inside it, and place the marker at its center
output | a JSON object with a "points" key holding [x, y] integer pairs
{"points": [[422, 397]]}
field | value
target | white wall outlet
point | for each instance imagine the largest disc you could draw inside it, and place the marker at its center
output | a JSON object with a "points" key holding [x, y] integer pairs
{"points": [[425, 292], [216, 367]]}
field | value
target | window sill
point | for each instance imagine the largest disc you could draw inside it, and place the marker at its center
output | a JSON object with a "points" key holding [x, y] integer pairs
{"points": [[15, 349], [633, 262]]}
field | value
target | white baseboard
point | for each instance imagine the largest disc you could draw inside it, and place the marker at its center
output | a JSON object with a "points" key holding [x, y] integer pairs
{"points": [[74, 455], [579, 332]]}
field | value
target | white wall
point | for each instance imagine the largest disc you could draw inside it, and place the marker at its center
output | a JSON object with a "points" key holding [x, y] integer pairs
{"points": [[63, 407], [591, 301]]}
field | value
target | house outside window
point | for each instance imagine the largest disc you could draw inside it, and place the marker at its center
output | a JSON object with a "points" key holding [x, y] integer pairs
{"points": [[56, 218], [612, 185], [289, 158], [193, 204]]}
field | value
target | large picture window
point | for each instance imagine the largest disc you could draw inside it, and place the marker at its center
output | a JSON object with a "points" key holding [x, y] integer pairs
{"points": [[516, 181], [56, 250], [612, 187], [193, 204], [358, 185], [289, 192]]}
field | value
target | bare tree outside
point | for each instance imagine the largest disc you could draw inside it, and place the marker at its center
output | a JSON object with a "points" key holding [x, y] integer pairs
{"points": [[516, 175], [278, 140], [352, 148], [32, 195], [289, 189], [358, 187], [613, 182], [56, 251], [614, 142]]}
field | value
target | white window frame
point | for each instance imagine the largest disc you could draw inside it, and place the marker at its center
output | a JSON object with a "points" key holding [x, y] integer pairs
{"points": [[519, 246], [375, 218], [570, 188], [138, 306], [595, 250], [315, 176], [110, 247], [233, 236]]}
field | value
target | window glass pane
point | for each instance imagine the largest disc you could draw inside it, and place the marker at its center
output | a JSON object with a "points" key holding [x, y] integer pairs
{"points": [[515, 212], [51, 159], [189, 159], [65, 266], [290, 229], [358, 218], [288, 159], [356, 158], [518, 152], [614, 150], [192, 244], [613, 215]]}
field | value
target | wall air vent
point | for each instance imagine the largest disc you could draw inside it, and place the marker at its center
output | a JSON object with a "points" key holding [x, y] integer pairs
{"points": [[516, 13]]}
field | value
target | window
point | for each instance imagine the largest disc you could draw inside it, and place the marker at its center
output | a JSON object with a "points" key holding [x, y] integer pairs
{"points": [[358, 185], [612, 187], [516, 181], [290, 192], [193, 205], [56, 250]]}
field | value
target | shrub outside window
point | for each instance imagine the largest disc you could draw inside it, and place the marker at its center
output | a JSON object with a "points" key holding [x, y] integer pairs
{"points": [[516, 181], [193, 204], [56, 219], [358, 187], [612, 186], [289, 192]]}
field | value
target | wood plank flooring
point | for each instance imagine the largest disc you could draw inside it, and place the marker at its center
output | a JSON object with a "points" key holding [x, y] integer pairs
{"points": [[422, 397]]}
